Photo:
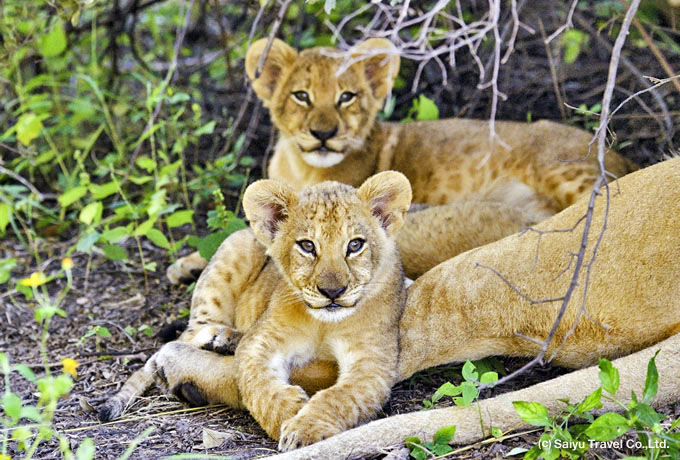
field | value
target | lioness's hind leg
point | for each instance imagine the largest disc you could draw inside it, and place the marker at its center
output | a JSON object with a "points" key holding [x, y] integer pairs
{"points": [[186, 269]]}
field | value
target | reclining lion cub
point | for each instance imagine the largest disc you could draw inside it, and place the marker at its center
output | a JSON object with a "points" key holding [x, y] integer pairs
{"points": [[332, 290], [328, 131], [339, 295]]}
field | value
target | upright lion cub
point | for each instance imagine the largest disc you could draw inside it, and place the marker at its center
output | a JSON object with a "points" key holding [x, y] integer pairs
{"points": [[339, 298]]}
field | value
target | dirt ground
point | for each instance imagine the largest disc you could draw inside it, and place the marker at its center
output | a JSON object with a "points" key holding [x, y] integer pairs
{"points": [[115, 296]]}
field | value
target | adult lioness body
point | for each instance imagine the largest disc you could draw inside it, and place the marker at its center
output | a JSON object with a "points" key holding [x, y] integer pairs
{"points": [[325, 112]]}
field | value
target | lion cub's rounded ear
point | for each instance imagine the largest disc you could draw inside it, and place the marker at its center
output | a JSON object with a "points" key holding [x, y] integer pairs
{"points": [[382, 67], [279, 58], [388, 195], [267, 204]]}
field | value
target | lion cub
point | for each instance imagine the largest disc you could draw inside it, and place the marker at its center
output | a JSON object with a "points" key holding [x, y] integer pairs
{"points": [[339, 298]]}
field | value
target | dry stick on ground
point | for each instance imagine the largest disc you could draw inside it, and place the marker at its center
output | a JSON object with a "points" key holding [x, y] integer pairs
{"points": [[348, 444]]}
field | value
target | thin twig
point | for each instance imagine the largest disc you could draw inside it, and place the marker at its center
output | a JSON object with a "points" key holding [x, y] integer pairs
{"points": [[272, 35]]}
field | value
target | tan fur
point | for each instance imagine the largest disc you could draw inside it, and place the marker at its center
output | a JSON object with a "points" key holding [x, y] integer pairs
{"points": [[634, 290], [353, 332], [332, 302], [445, 160]]}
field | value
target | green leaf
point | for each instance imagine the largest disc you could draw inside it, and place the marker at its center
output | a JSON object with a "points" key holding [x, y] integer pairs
{"points": [[427, 109], [469, 372], [115, 234], [573, 41], [533, 453], [145, 163], [207, 128], [5, 213], [25, 372], [178, 218], [31, 413], [71, 196], [158, 238], [447, 389], [607, 427], [488, 377], [87, 242], [91, 213], [470, 392], [144, 227], [652, 380], [441, 449], [28, 127], [12, 405], [592, 401], [532, 413], [209, 244], [53, 43], [413, 443], [146, 330], [609, 376], [4, 363], [101, 331], [85, 450], [497, 433], [99, 192], [444, 435], [114, 252]]}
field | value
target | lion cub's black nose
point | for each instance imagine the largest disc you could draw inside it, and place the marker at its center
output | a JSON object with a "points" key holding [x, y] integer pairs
{"points": [[324, 135], [332, 293]]}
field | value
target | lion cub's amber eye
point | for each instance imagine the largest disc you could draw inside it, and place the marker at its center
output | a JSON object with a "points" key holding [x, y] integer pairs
{"points": [[346, 97], [355, 245], [307, 246], [301, 96]]}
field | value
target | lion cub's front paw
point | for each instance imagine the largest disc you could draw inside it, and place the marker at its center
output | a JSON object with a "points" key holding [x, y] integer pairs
{"points": [[187, 269], [303, 430], [216, 337]]}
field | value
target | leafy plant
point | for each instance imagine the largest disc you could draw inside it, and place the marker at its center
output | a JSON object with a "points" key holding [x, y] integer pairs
{"points": [[565, 439], [439, 445], [422, 109]]}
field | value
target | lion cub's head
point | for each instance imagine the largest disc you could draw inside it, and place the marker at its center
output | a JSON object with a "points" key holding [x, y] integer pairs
{"points": [[334, 244], [324, 101]]}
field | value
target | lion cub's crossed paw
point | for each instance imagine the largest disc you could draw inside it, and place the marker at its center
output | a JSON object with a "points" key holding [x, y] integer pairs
{"points": [[219, 338]]}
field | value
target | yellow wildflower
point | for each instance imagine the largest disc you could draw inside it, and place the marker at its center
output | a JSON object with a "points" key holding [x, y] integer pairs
{"points": [[70, 366], [67, 263], [5, 457], [36, 279]]}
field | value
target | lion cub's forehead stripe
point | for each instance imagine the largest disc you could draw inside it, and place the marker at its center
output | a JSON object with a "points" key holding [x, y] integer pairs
{"points": [[322, 69], [330, 203]]}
